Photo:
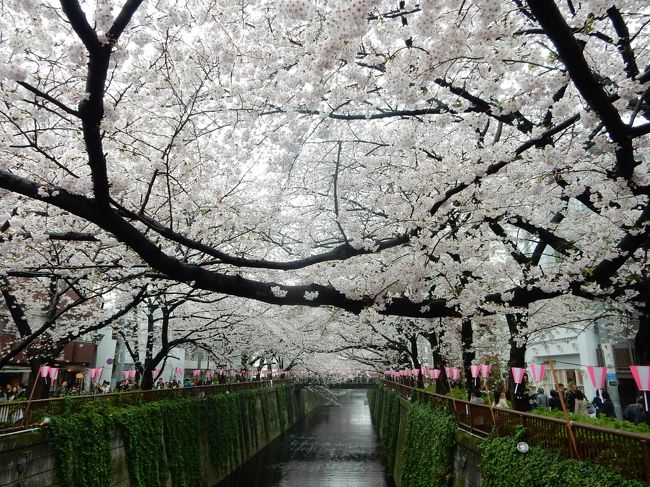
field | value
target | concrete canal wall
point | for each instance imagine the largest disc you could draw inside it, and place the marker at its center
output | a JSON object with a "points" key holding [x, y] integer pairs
{"points": [[29, 458]]}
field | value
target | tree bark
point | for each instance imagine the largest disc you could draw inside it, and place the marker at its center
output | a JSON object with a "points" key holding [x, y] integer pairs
{"points": [[517, 323], [439, 362], [642, 338], [467, 341]]}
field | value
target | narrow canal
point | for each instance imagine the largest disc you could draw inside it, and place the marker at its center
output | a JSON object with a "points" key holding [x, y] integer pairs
{"points": [[335, 446]]}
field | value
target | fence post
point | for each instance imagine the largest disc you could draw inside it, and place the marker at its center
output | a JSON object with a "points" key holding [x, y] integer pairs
{"points": [[572, 439], [646, 460]]}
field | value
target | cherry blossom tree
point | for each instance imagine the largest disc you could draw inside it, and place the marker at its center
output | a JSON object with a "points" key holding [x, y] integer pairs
{"points": [[358, 155]]}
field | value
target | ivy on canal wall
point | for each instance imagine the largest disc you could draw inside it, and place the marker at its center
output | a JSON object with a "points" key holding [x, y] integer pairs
{"points": [[167, 440], [385, 411], [428, 447], [504, 466], [429, 439]]}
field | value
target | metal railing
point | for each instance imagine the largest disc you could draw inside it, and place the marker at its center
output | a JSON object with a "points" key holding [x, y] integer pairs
{"points": [[12, 413], [622, 451]]}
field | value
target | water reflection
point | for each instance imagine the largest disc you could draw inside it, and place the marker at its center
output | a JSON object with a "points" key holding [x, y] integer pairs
{"points": [[335, 446]]}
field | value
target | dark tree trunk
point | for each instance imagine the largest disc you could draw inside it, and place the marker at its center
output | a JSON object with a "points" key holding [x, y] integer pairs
{"points": [[642, 339], [467, 341], [517, 324], [413, 341], [439, 362], [147, 378]]}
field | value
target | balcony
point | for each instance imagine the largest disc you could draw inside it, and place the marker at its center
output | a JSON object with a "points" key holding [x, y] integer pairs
{"points": [[74, 353], [624, 355]]}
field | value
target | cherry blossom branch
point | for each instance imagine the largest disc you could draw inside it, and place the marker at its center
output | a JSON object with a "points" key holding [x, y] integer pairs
{"points": [[551, 20]]}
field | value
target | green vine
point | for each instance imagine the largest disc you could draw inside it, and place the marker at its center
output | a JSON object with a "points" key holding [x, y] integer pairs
{"points": [[144, 445], [428, 452], [385, 411], [82, 443], [181, 434], [504, 466], [164, 441]]}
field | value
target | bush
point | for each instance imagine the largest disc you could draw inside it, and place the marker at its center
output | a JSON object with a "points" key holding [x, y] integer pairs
{"points": [[503, 466], [604, 422]]}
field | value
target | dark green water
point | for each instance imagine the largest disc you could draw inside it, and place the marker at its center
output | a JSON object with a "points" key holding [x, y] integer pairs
{"points": [[335, 446]]}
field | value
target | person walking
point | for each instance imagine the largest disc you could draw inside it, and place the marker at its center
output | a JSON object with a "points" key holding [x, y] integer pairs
{"points": [[635, 412], [476, 397], [580, 405], [598, 403], [502, 402], [608, 406], [541, 399]]}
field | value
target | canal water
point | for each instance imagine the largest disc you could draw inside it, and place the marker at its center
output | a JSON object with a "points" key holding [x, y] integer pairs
{"points": [[335, 446]]}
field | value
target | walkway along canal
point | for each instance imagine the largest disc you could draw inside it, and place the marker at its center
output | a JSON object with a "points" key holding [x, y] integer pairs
{"points": [[336, 445]]}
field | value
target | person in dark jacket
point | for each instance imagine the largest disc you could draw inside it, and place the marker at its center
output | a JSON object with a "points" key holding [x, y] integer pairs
{"points": [[635, 412], [570, 397], [608, 406], [554, 401], [598, 403]]}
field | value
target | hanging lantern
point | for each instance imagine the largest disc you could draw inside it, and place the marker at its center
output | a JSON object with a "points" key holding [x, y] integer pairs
{"points": [[45, 370], [537, 371], [485, 370], [475, 370], [597, 375], [641, 375], [518, 376]]}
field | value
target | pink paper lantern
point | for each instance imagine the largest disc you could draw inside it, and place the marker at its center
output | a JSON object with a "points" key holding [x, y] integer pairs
{"points": [[457, 373], [475, 370], [435, 373], [597, 375], [518, 376], [54, 373], [178, 372], [448, 372], [485, 370], [45, 370], [155, 373], [537, 371], [641, 374]]}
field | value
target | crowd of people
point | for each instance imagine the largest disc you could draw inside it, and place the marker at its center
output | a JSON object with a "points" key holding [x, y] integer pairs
{"points": [[574, 397], [16, 392]]}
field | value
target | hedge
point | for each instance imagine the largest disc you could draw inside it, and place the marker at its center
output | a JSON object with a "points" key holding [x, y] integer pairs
{"points": [[504, 466]]}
